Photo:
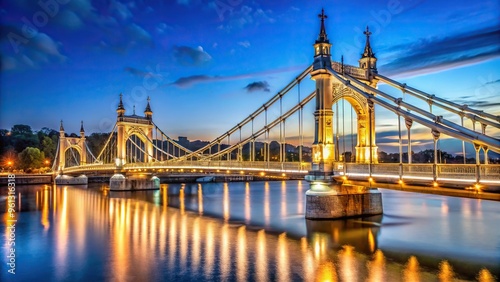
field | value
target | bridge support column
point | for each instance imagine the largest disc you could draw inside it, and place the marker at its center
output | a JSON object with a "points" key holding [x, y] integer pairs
{"points": [[477, 147], [331, 200], [119, 182], [435, 135]]}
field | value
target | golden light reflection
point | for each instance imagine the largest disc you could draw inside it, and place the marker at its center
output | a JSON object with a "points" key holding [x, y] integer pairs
{"points": [[308, 263], [247, 203], [376, 268], [181, 200], [209, 251], [45, 210], [466, 208], [348, 270], [152, 227], [54, 201], [162, 232], [225, 255], [371, 240], [62, 234], [120, 243], [444, 207], [226, 202], [300, 204], [196, 244], [283, 260], [446, 272], [172, 240], [485, 276], [183, 238], [200, 199], [326, 272], [283, 199], [320, 245], [164, 190], [267, 210], [411, 271], [241, 263], [261, 263]]}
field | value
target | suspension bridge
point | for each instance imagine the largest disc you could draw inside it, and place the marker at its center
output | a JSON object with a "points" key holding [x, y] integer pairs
{"points": [[257, 145]]}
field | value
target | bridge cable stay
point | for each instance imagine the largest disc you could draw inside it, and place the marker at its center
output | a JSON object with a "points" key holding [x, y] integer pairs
{"points": [[248, 119], [90, 152], [111, 135], [436, 123], [132, 142], [155, 146], [73, 153], [264, 129], [174, 143], [56, 158], [462, 110], [437, 119]]}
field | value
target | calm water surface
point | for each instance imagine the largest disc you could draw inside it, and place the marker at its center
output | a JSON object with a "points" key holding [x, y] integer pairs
{"points": [[243, 232]]}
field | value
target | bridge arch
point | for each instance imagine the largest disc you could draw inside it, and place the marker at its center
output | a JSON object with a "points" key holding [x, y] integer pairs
{"points": [[363, 128], [72, 156], [135, 146]]}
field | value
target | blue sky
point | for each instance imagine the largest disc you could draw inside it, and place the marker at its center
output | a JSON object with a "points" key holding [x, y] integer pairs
{"points": [[208, 64]]}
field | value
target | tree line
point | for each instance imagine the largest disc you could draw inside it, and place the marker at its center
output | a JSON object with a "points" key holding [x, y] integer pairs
{"points": [[23, 149]]}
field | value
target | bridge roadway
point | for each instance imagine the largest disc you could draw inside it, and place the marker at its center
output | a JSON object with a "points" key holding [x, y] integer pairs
{"points": [[445, 175]]}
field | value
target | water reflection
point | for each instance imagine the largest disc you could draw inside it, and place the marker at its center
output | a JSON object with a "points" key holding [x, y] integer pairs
{"points": [[95, 235], [359, 234]]}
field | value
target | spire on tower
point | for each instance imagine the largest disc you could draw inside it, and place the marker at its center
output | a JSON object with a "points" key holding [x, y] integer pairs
{"points": [[322, 38], [368, 53], [148, 112], [81, 127], [61, 127], [121, 109]]}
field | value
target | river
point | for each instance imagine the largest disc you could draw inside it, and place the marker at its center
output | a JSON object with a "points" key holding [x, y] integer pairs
{"points": [[254, 231]]}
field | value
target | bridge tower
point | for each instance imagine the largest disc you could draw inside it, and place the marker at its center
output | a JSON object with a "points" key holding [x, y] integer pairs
{"points": [[67, 143], [328, 198], [323, 148], [129, 125]]}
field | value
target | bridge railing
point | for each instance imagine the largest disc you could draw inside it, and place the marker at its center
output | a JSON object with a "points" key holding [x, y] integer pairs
{"points": [[89, 167], [225, 165], [460, 172]]}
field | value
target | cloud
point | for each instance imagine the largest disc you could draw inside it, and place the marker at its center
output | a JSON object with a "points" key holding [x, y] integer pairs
{"points": [[188, 81], [69, 19], [138, 35], [186, 55], [141, 73], [35, 52], [120, 10], [194, 79], [246, 15], [434, 54], [163, 27], [492, 82], [257, 86], [245, 43]]}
